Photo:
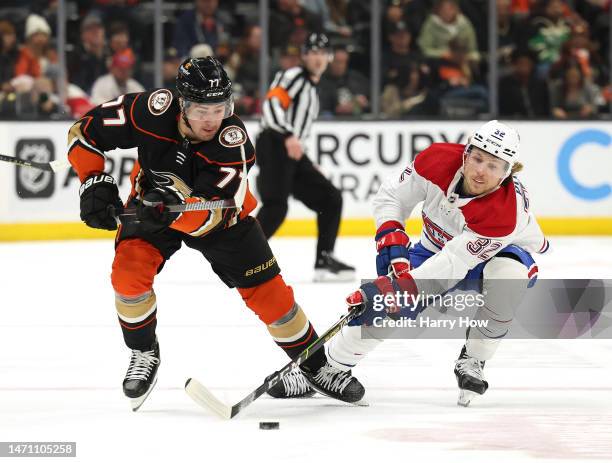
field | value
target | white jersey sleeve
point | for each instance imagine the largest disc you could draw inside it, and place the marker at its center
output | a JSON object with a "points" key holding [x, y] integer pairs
{"points": [[398, 196]]}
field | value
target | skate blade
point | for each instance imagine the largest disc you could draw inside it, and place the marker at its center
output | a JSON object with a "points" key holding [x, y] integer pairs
{"points": [[324, 276], [138, 401], [361, 403], [465, 397]]}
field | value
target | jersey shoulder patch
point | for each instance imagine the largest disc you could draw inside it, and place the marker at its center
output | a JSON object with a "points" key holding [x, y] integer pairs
{"points": [[159, 101], [232, 136], [439, 163], [155, 114], [494, 215]]}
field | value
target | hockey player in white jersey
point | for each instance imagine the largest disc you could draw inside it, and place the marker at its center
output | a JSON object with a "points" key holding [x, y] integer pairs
{"points": [[476, 226]]}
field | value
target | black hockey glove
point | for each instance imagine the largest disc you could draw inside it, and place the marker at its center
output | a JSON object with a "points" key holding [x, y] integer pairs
{"points": [[99, 199], [152, 211]]}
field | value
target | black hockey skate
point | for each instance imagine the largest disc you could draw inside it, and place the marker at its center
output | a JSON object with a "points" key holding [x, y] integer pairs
{"points": [[470, 378], [335, 383], [328, 268], [292, 386], [141, 375]]}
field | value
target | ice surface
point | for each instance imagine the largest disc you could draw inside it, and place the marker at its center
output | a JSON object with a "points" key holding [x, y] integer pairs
{"points": [[62, 360]]}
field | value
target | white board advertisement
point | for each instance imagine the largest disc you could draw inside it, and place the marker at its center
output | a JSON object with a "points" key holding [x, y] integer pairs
{"points": [[568, 165]]}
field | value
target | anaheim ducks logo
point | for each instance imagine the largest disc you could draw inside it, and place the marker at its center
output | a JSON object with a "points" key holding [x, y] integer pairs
{"points": [[172, 182], [159, 101], [232, 136]]}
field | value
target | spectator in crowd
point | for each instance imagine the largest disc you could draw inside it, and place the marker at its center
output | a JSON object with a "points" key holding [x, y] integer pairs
{"points": [[128, 12], [358, 18], [118, 81], [522, 93], [342, 90], [400, 53], [410, 12], [573, 96], [204, 24], [291, 23], [443, 25], [459, 92], [118, 37], [333, 14], [521, 9], [201, 50], [581, 49], [77, 101], [408, 93], [8, 54], [170, 66], [548, 31], [35, 55], [46, 101], [246, 59], [88, 61], [509, 35]]}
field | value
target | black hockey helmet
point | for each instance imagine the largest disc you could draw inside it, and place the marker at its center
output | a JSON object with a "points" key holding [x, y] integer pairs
{"points": [[316, 41], [203, 81]]}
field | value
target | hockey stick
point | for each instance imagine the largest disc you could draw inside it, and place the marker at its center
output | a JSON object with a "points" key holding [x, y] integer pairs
{"points": [[53, 166], [232, 203], [203, 397]]}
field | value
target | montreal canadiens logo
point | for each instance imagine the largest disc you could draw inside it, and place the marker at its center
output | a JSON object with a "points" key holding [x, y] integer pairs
{"points": [[159, 101], [232, 136]]}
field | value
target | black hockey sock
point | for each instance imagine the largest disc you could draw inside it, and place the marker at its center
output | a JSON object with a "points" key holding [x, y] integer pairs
{"points": [[141, 335], [294, 348]]}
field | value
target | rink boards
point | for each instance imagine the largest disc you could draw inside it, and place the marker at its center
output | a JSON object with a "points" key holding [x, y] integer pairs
{"points": [[568, 173]]}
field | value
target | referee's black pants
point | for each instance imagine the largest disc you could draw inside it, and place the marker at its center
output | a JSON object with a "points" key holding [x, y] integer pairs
{"points": [[281, 176]]}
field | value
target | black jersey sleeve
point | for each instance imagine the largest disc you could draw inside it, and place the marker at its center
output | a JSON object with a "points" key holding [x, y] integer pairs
{"points": [[104, 128]]}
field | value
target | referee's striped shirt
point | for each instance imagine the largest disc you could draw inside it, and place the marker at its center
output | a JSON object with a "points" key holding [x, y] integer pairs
{"points": [[291, 104]]}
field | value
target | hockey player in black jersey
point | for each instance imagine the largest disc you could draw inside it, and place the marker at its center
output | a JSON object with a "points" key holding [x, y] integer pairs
{"points": [[191, 148]]}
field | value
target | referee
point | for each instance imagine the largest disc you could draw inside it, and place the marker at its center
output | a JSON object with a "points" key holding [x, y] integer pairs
{"points": [[290, 107]]}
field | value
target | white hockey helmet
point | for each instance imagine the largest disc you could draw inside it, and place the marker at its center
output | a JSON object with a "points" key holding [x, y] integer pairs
{"points": [[497, 139]]}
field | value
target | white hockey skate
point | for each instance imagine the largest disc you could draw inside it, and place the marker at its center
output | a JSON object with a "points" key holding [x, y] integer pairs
{"points": [[470, 378]]}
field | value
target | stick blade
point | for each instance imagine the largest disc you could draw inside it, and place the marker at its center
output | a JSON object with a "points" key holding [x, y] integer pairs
{"points": [[59, 165], [204, 398]]}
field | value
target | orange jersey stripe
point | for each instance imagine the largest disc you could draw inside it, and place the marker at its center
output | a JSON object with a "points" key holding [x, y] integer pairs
{"points": [[139, 326], [281, 94], [85, 162], [190, 221], [250, 203], [237, 163], [159, 137]]}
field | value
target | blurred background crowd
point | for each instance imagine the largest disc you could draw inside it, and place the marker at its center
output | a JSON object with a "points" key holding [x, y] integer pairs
{"points": [[552, 57]]}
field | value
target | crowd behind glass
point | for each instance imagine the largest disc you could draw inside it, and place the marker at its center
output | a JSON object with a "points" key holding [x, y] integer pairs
{"points": [[552, 55]]}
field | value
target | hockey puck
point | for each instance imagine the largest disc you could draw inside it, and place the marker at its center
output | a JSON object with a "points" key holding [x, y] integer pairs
{"points": [[268, 425]]}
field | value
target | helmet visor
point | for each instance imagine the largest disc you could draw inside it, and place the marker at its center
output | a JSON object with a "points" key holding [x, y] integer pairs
{"points": [[208, 111]]}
